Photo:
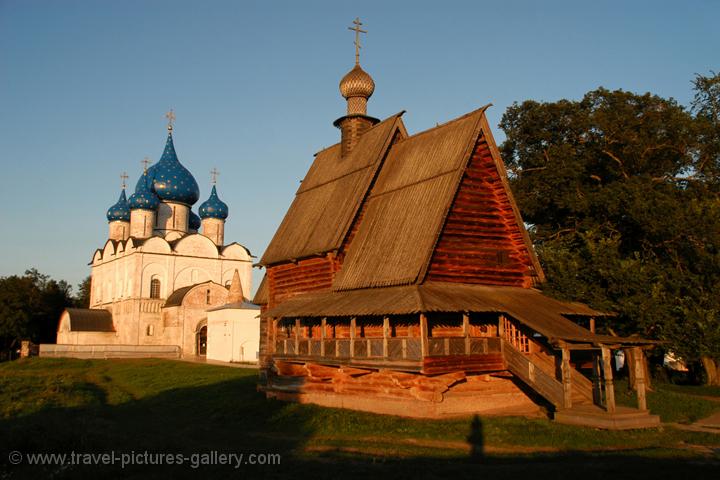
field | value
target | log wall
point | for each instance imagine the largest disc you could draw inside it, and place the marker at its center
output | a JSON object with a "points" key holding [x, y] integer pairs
{"points": [[481, 242], [308, 275]]}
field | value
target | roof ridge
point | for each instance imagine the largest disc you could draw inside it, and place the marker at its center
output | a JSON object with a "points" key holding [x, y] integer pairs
{"points": [[448, 123]]}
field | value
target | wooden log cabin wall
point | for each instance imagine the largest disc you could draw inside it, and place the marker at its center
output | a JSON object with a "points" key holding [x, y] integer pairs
{"points": [[481, 241]]}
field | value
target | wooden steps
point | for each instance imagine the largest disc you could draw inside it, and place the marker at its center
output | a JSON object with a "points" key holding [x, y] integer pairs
{"points": [[582, 393], [624, 418], [538, 372]]}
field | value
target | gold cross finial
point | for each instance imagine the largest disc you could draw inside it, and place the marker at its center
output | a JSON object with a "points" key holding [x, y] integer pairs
{"points": [[214, 172], [357, 31], [123, 177], [145, 162], [171, 119]]}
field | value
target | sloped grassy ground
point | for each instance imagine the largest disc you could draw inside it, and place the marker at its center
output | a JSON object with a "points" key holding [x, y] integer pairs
{"points": [[64, 405]]}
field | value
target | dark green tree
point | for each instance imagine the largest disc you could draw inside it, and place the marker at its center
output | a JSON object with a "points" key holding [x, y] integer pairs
{"points": [[618, 189], [82, 298], [30, 306]]}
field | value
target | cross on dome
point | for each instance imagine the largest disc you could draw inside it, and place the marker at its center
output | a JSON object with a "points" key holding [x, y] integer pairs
{"points": [[214, 174], [171, 119], [123, 180], [357, 31]]}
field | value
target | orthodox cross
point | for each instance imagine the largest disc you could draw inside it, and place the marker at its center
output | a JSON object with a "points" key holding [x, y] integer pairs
{"points": [[357, 31], [123, 177], [145, 162], [214, 172], [171, 118]]}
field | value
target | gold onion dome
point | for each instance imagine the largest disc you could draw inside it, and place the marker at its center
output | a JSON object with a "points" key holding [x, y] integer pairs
{"points": [[357, 83]]}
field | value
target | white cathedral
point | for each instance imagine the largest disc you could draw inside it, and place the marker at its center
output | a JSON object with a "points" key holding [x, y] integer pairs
{"points": [[165, 280]]}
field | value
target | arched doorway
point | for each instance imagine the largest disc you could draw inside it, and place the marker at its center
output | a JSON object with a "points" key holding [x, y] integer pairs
{"points": [[201, 341]]}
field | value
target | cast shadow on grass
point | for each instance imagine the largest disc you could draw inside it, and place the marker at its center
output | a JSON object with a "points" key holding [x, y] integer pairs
{"points": [[232, 417]]}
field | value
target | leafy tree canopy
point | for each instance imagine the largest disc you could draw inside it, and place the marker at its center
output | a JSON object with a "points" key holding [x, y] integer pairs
{"points": [[30, 306], [621, 192]]}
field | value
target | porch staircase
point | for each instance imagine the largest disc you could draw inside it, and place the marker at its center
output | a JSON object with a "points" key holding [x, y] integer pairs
{"points": [[537, 371]]}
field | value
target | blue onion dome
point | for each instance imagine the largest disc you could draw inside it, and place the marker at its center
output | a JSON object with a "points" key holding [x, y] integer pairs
{"points": [[143, 198], [213, 207], [171, 181], [119, 211], [194, 221]]}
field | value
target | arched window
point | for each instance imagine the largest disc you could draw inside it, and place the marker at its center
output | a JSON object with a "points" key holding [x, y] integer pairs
{"points": [[155, 288]]}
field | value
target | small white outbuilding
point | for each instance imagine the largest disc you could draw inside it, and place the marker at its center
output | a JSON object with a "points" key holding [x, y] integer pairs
{"points": [[233, 329]]}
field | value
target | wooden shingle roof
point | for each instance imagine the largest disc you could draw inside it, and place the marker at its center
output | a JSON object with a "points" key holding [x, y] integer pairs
{"points": [[527, 305], [261, 296], [330, 195], [408, 204]]}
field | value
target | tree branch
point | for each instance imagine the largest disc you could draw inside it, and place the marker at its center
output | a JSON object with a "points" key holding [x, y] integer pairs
{"points": [[619, 162]]}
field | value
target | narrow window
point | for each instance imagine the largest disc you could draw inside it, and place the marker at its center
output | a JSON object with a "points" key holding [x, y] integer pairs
{"points": [[207, 296], [154, 288], [502, 257], [150, 331]]}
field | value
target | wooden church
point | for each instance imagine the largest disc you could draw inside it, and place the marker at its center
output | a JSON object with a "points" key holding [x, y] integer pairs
{"points": [[402, 281]]}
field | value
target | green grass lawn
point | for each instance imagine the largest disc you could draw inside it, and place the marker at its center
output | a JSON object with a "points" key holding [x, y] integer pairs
{"points": [[63, 405], [674, 403]]}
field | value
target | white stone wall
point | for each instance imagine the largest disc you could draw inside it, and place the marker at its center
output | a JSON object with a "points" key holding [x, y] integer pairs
{"points": [[214, 229], [118, 230], [233, 335], [120, 282], [142, 223], [172, 217]]}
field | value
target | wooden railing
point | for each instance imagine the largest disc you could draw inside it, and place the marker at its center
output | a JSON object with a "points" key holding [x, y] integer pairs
{"points": [[521, 365], [444, 346], [582, 385], [394, 348]]}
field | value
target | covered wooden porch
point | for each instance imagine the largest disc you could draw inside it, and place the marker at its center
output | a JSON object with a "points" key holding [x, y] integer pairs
{"points": [[530, 338]]}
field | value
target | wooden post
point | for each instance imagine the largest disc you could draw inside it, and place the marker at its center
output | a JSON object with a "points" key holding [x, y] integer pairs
{"points": [[639, 377], [592, 324], [386, 334], [273, 335], [608, 378], [424, 335], [501, 326], [352, 337], [566, 377], [297, 336], [466, 332], [323, 335], [597, 380]]}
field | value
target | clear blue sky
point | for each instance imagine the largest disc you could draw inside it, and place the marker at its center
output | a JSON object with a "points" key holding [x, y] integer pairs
{"points": [[84, 86]]}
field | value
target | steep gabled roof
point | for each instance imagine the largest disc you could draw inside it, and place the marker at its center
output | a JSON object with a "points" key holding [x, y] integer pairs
{"points": [[261, 296], [330, 196], [408, 204]]}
